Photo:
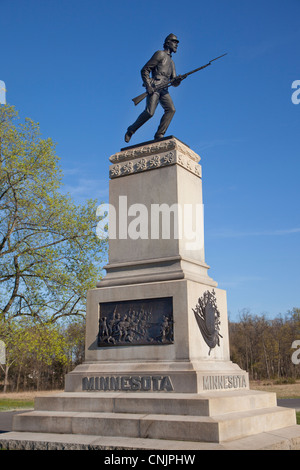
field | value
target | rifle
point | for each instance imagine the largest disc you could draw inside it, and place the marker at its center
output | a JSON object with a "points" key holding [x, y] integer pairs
{"points": [[140, 98]]}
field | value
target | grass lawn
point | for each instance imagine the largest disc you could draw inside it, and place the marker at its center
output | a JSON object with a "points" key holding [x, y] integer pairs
{"points": [[22, 400], [281, 390], [8, 404]]}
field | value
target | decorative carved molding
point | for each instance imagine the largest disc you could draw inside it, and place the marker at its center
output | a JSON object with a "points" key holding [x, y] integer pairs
{"points": [[152, 161]]}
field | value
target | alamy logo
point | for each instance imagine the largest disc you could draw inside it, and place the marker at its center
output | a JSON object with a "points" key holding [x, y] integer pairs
{"points": [[2, 352], [296, 95], [159, 221], [2, 92], [296, 354]]}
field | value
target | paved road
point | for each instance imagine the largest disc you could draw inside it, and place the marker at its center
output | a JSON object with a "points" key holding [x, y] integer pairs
{"points": [[6, 417], [289, 403]]}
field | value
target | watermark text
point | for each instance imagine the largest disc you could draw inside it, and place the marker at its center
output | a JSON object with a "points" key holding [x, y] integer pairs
{"points": [[296, 94], [152, 222]]}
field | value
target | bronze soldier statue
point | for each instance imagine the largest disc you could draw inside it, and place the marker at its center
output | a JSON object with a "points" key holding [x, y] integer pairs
{"points": [[162, 70]]}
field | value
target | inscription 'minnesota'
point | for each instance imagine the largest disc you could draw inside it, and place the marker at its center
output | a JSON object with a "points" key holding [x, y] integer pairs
{"points": [[128, 383], [218, 382]]}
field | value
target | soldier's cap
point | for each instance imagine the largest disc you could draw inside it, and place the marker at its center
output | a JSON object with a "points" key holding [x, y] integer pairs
{"points": [[172, 37]]}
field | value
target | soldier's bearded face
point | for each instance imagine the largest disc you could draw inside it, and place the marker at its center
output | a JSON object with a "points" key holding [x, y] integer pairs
{"points": [[173, 45]]}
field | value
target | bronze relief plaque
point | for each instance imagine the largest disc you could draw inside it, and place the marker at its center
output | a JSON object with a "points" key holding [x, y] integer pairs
{"points": [[136, 322]]}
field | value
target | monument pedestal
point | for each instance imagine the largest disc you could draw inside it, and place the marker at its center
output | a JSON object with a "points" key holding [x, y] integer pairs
{"points": [[157, 372], [157, 321], [178, 362]]}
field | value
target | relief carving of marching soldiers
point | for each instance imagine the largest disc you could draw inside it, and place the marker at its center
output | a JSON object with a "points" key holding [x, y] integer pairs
{"points": [[136, 323]]}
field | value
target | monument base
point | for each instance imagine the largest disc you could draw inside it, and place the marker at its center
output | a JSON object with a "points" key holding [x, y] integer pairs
{"points": [[172, 356], [240, 420], [176, 390], [157, 376]]}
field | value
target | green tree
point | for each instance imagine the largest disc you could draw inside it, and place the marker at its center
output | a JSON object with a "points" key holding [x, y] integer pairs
{"points": [[49, 253], [38, 355]]}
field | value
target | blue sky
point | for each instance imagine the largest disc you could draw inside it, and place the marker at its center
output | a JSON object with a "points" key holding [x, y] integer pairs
{"points": [[73, 66]]}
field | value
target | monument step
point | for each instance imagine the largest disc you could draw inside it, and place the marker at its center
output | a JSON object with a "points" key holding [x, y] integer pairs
{"points": [[281, 439], [213, 403], [216, 428]]}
